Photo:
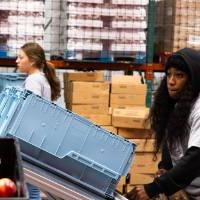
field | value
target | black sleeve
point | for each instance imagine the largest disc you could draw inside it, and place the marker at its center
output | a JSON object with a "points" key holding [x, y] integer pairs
{"points": [[166, 162], [179, 176]]}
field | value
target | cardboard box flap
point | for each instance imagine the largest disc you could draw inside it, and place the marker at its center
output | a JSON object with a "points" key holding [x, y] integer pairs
{"points": [[126, 79], [138, 112], [84, 76]]}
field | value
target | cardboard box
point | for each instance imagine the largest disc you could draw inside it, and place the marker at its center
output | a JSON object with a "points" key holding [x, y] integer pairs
{"points": [[87, 92], [182, 4], [179, 24], [89, 108], [140, 179], [134, 133], [128, 99], [174, 8], [136, 79], [88, 98], [128, 85], [104, 120], [84, 76], [130, 118], [129, 187], [110, 129], [93, 87], [180, 32], [144, 145], [145, 163], [120, 185], [121, 106], [129, 89]]}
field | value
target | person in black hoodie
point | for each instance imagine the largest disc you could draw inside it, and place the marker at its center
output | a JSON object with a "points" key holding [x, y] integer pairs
{"points": [[175, 119]]}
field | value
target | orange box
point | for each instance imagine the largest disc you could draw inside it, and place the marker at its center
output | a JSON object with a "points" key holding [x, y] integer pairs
{"points": [[110, 129], [104, 120], [136, 79], [122, 88], [94, 87], [130, 187], [179, 24], [84, 76], [133, 133], [122, 106], [88, 98], [144, 145], [130, 118], [128, 85], [140, 179], [88, 93], [89, 108], [121, 184], [145, 163], [127, 99]]}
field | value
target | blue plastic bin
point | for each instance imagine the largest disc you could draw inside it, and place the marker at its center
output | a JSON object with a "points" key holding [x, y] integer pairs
{"points": [[65, 143], [10, 102], [11, 79]]}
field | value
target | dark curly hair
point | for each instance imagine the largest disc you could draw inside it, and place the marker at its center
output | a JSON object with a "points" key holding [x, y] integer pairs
{"points": [[169, 117]]}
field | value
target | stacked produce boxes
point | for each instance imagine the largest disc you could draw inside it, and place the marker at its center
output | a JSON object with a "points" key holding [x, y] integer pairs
{"points": [[179, 27], [105, 30], [20, 21], [128, 112], [87, 94]]}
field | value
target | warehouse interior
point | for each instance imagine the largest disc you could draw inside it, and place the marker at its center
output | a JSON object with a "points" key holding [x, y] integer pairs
{"points": [[109, 56]]}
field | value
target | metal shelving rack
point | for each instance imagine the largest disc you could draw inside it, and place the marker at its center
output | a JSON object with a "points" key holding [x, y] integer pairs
{"points": [[94, 65], [149, 67], [150, 50]]}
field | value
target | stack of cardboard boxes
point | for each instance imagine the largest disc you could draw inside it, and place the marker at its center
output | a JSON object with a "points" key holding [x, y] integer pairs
{"points": [[127, 100], [179, 27], [129, 114], [119, 107], [87, 94], [20, 22], [103, 29]]}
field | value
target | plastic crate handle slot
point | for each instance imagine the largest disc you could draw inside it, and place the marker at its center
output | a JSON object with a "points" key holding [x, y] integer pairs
{"points": [[93, 164]]}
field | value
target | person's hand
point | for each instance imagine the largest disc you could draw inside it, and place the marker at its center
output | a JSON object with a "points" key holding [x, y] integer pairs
{"points": [[137, 193], [160, 172], [180, 195]]}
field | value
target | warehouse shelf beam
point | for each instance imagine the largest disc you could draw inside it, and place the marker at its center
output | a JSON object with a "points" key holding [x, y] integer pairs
{"points": [[93, 65]]}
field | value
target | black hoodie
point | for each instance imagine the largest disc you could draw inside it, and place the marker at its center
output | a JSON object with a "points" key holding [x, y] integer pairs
{"points": [[192, 59], [188, 168]]}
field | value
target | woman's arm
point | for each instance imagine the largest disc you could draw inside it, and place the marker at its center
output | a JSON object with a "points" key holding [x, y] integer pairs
{"points": [[173, 180], [179, 176]]}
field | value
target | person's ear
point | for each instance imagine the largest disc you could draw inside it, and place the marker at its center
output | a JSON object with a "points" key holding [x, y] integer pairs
{"points": [[32, 64]]}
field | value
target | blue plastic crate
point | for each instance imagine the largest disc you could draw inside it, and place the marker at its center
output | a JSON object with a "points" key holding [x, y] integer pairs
{"points": [[69, 145], [3, 53], [11, 79], [10, 102]]}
